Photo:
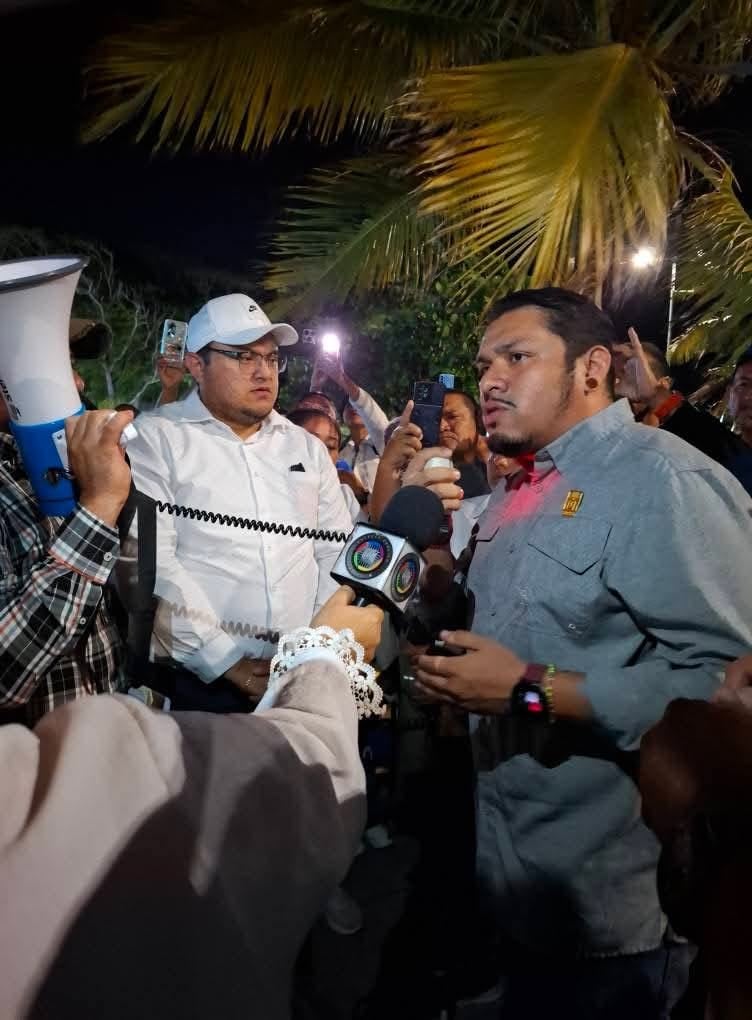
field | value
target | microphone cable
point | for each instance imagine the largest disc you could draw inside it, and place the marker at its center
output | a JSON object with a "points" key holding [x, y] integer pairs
{"points": [[247, 523]]}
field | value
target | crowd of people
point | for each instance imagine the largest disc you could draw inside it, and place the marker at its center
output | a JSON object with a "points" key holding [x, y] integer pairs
{"points": [[577, 655]]}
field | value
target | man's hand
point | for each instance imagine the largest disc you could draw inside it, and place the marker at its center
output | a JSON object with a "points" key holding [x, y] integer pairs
{"points": [[737, 687], [479, 681], [364, 621], [498, 467], [351, 479], [638, 382], [250, 676], [403, 445], [398, 453], [330, 366], [441, 481], [170, 376], [98, 461]]}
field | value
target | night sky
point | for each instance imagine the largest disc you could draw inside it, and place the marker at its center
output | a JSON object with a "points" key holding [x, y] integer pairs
{"points": [[205, 210], [200, 209]]}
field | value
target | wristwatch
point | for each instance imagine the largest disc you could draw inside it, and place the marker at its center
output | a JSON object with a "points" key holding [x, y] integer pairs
{"points": [[532, 695]]}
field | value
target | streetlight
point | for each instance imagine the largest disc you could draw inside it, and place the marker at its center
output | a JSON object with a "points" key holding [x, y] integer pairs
{"points": [[644, 258]]}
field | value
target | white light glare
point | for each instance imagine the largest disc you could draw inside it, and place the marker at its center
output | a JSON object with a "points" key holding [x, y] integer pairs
{"points": [[330, 343], [644, 257]]}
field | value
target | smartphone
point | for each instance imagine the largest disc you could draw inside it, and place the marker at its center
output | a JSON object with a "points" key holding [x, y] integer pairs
{"points": [[428, 398], [439, 647], [172, 344], [447, 380]]}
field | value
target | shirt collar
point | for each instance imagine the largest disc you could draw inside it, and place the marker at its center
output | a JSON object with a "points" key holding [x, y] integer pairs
{"points": [[194, 409], [576, 444]]}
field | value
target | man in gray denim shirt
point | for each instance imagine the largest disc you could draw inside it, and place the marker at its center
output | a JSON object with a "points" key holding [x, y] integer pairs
{"points": [[623, 557]]}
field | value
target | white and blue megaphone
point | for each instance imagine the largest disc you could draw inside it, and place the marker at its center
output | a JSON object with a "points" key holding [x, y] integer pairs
{"points": [[36, 381]]}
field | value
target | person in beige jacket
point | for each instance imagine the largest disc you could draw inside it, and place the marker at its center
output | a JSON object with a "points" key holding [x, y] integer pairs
{"points": [[158, 865]]}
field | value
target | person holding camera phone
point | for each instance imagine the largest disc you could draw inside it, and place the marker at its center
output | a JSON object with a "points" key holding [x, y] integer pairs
{"points": [[363, 417]]}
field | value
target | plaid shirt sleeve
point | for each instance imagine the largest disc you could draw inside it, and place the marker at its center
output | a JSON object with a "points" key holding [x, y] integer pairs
{"points": [[49, 614]]}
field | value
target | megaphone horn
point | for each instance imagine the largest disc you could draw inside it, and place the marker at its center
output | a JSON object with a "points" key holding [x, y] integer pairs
{"points": [[36, 381]]}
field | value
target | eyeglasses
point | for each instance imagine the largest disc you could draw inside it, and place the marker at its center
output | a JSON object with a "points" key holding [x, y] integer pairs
{"points": [[247, 359]]}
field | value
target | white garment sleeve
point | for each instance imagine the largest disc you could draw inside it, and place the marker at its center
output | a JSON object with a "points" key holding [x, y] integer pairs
{"points": [[353, 506], [333, 516], [373, 417], [194, 636]]}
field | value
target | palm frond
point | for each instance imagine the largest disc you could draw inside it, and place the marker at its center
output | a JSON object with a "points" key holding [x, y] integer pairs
{"points": [[248, 74], [715, 275], [355, 227], [702, 43], [554, 165]]}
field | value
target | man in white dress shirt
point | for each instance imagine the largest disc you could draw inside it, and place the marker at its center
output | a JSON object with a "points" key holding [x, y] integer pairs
{"points": [[227, 593]]}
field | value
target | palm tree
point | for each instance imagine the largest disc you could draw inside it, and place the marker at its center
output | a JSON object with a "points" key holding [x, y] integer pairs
{"points": [[535, 141]]}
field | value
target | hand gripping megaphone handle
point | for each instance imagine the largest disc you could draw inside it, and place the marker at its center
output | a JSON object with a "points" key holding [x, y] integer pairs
{"points": [[44, 449]]}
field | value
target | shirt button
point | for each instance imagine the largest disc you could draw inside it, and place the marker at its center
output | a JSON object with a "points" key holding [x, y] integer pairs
{"points": [[572, 626], [107, 557], [82, 622]]}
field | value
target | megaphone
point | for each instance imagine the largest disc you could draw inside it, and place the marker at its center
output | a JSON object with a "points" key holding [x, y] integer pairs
{"points": [[36, 381]]}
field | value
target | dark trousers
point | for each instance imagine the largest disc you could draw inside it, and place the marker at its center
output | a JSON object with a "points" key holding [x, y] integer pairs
{"points": [[188, 693], [645, 986]]}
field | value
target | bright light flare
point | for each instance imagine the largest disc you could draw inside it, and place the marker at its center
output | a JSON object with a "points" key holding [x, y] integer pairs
{"points": [[330, 343], [644, 257]]}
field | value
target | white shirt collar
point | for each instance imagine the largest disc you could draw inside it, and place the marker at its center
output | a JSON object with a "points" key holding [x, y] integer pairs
{"points": [[193, 409]]}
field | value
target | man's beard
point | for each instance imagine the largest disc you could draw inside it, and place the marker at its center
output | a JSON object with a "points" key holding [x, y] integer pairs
{"points": [[509, 447], [515, 446]]}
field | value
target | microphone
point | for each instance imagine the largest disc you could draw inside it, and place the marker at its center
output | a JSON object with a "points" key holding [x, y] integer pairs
{"points": [[383, 564]]}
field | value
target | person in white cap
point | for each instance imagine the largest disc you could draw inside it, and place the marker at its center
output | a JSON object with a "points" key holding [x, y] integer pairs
{"points": [[226, 593]]}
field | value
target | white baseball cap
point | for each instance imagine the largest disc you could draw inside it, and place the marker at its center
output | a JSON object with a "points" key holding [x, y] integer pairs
{"points": [[235, 319]]}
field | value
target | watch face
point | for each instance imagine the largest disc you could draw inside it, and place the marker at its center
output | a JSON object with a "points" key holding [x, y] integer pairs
{"points": [[529, 700], [533, 702]]}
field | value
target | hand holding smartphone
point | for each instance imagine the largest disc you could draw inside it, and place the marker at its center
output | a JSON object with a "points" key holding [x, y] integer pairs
{"points": [[428, 400], [172, 344]]}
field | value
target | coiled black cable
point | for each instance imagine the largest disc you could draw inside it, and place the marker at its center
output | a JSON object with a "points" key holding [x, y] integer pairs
{"points": [[271, 527]]}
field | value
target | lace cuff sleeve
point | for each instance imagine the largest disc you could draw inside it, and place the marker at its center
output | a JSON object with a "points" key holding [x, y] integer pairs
{"points": [[306, 642]]}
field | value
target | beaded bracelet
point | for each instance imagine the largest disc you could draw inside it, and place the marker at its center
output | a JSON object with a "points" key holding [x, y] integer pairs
{"points": [[548, 690]]}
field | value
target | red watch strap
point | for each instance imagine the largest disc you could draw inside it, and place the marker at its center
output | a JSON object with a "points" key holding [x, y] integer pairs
{"points": [[534, 673]]}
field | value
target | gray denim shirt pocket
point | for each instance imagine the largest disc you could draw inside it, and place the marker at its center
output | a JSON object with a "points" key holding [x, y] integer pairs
{"points": [[563, 584]]}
